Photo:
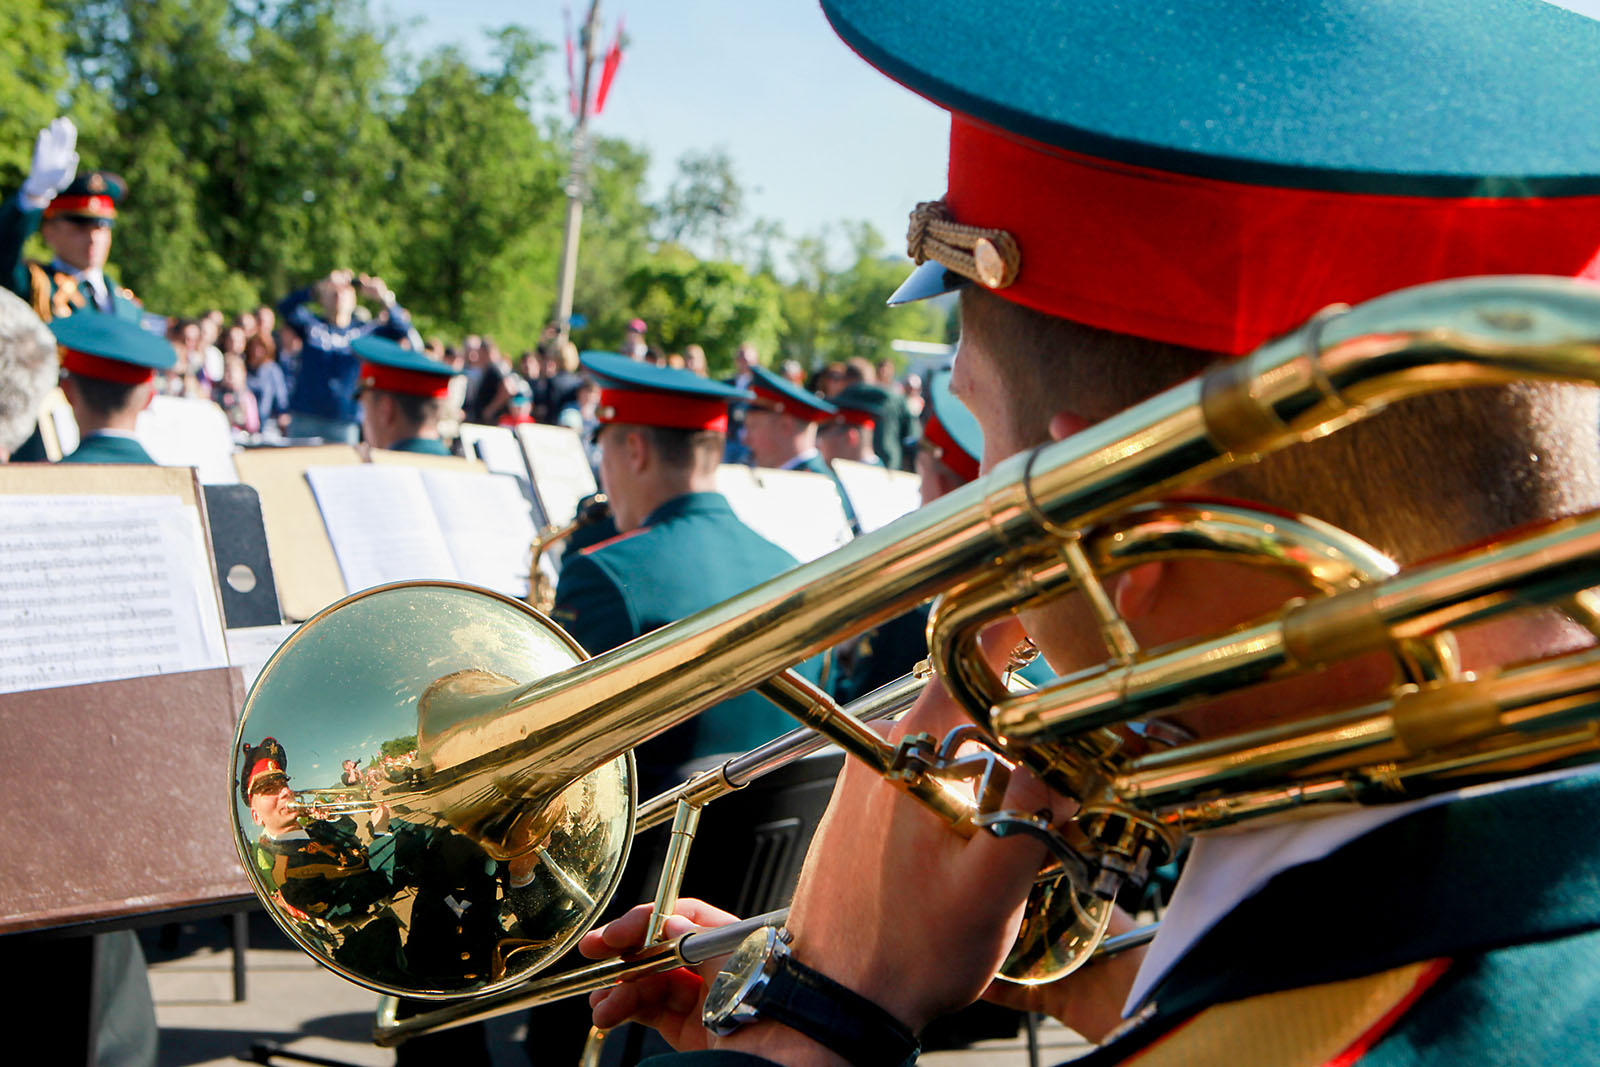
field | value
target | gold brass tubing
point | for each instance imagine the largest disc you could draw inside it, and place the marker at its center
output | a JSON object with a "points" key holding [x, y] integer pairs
{"points": [[817, 709], [685, 821], [1113, 628], [1451, 714], [739, 771], [579, 718]]}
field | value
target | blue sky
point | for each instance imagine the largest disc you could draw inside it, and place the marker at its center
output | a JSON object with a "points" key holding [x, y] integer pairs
{"points": [[816, 135]]}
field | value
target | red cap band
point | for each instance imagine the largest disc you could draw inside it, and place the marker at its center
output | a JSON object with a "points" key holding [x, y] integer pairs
{"points": [[107, 370], [99, 207], [1222, 265], [951, 454], [857, 417], [673, 411], [396, 380]]}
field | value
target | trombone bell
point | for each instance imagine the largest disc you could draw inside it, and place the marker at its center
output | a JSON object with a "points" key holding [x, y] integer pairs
{"points": [[444, 880]]}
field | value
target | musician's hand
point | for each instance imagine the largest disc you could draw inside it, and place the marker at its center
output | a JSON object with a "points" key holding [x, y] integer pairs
{"points": [[894, 905], [669, 1003], [1090, 999]]}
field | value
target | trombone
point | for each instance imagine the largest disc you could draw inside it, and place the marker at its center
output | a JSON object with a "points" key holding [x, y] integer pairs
{"points": [[524, 745]]}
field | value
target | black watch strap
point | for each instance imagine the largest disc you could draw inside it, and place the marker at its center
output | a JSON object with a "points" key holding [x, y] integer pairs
{"points": [[843, 1020]]}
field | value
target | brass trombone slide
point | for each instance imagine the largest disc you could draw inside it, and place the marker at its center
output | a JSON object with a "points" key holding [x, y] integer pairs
{"points": [[501, 758]]}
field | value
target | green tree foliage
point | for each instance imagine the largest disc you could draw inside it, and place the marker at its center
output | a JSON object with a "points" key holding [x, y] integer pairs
{"points": [[479, 249], [266, 142], [33, 80], [836, 315], [716, 304]]}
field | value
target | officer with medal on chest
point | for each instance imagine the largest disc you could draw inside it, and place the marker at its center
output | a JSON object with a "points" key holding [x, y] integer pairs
{"points": [[679, 549], [780, 430], [1133, 203], [74, 215], [402, 395], [108, 370]]}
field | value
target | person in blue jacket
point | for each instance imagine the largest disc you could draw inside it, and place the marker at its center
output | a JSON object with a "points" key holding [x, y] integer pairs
{"points": [[402, 393], [322, 399], [108, 374], [1132, 200]]}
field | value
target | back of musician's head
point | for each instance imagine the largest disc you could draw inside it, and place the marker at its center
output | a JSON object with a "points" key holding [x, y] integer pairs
{"points": [[686, 452], [105, 398], [1429, 474]]}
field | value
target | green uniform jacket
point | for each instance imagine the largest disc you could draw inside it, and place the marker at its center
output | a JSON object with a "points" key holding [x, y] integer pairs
{"points": [[109, 448], [17, 224], [424, 446], [1506, 886], [690, 553]]}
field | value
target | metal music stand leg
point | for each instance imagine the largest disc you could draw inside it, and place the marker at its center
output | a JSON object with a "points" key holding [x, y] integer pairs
{"points": [[267, 1051], [1030, 1026], [239, 929]]}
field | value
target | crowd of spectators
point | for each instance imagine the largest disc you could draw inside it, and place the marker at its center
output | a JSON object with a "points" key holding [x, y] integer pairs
{"points": [[252, 365]]}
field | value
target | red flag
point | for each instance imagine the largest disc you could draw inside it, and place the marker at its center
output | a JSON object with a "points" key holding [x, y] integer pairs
{"points": [[572, 84], [609, 71]]}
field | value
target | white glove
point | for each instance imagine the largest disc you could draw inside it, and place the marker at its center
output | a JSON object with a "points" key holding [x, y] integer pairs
{"points": [[55, 161]]}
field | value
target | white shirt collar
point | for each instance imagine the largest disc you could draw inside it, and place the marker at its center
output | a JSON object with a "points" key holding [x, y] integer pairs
{"points": [[800, 460]]}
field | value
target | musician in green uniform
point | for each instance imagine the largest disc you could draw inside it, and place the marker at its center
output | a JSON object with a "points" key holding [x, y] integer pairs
{"points": [[1132, 200], [402, 396], [852, 430], [108, 374], [783, 431], [680, 547]]}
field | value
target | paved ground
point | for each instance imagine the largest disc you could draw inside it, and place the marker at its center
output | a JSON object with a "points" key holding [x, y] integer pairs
{"points": [[294, 1002]]}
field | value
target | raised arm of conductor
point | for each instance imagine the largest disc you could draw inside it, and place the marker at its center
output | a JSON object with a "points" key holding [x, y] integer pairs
{"points": [[55, 162]]}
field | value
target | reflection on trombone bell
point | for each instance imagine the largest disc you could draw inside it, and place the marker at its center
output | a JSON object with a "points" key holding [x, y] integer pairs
{"points": [[1040, 525]]}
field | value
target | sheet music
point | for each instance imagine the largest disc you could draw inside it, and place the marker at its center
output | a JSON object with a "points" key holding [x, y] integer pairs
{"points": [[878, 494], [381, 524], [796, 510], [97, 588], [560, 469], [185, 431], [487, 526]]}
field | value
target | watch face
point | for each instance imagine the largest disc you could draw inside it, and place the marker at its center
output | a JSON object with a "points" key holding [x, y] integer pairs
{"points": [[732, 999]]}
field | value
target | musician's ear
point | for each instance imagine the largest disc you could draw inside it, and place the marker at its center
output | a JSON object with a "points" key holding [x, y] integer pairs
{"points": [[1134, 591]]}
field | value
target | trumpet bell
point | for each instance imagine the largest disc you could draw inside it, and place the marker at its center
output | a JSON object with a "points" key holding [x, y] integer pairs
{"points": [[436, 881]]}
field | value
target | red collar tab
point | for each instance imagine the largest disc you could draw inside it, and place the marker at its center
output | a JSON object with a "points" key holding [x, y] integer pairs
{"points": [[107, 370], [672, 411], [95, 207], [399, 380], [949, 453], [1221, 265]]}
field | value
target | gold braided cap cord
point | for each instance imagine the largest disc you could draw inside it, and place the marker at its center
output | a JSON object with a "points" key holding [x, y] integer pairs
{"points": [[987, 256]]}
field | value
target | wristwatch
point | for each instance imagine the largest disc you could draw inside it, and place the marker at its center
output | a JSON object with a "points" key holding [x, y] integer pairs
{"points": [[763, 980]]}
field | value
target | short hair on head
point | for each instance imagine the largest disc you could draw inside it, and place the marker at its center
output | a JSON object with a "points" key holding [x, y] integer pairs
{"points": [[103, 397], [697, 451], [1430, 474], [859, 369], [417, 410]]}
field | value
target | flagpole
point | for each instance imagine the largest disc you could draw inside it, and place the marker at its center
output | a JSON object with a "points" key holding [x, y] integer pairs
{"points": [[576, 179]]}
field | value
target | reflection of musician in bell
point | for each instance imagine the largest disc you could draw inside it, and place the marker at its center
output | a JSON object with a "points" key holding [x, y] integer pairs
{"points": [[1131, 203], [322, 869]]}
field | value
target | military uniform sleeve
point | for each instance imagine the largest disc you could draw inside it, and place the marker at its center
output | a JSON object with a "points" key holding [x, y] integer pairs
{"points": [[17, 224], [591, 608]]}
